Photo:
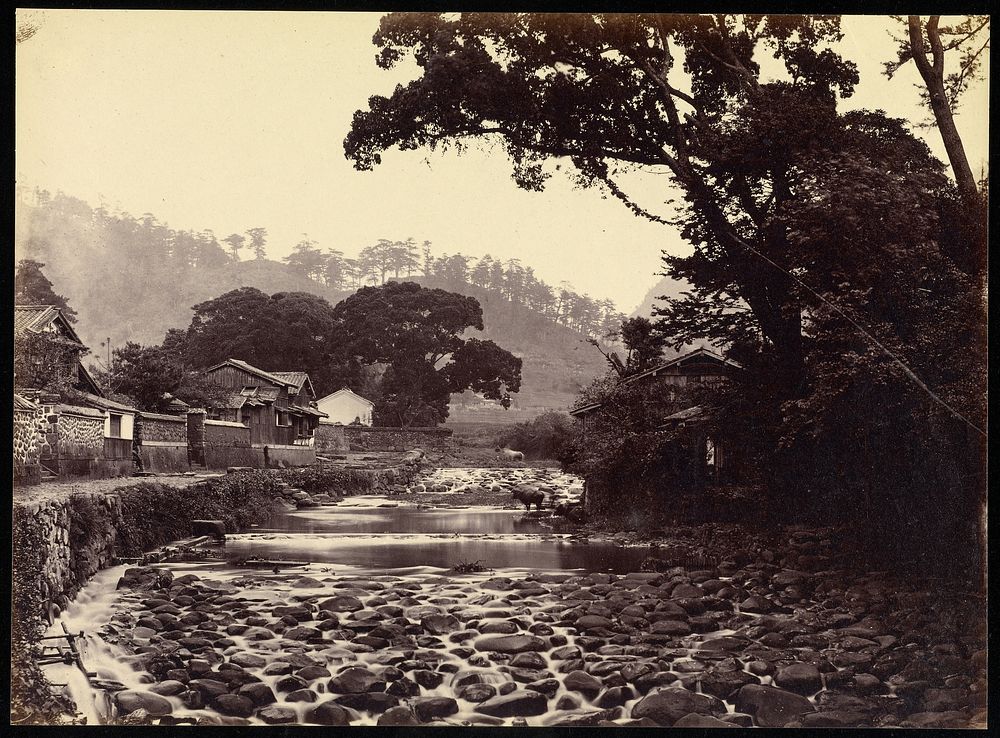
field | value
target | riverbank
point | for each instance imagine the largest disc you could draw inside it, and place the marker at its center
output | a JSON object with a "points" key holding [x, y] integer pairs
{"points": [[64, 533]]}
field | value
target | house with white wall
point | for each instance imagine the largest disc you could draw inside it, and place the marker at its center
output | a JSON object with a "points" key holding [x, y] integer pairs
{"points": [[344, 407]]}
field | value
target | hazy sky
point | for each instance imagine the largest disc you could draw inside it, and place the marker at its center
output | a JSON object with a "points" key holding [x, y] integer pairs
{"points": [[231, 120]]}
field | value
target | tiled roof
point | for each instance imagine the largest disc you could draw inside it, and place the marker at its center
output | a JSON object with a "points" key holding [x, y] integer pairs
{"points": [[34, 318], [250, 369], [308, 411], [22, 403], [293, 378], [104, 403], [232, 401]]}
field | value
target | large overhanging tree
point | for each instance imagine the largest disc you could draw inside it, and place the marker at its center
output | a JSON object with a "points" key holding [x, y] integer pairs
{"points": [[822, 251], [417, 332], [607, 94]]}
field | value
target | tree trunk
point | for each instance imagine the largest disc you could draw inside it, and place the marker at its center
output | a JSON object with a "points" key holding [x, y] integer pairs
{"points": [[932, 73]]}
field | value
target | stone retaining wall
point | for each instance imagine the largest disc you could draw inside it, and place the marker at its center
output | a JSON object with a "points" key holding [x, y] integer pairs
{"points": [[343, 438]]}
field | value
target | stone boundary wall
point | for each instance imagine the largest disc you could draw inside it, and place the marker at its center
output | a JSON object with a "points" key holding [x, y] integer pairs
{"points": [[228, 444], [340, 438], [164, 442], [29, 434]]}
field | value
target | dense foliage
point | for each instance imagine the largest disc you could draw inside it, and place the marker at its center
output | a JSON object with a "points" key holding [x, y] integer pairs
{"points": [[32, 287], [416, 331], [831, 253], [546, 437], [154, 514]]}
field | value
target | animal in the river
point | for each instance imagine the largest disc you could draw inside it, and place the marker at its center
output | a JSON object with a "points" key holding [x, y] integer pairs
{"points": [[529, 496], [510, 454]]}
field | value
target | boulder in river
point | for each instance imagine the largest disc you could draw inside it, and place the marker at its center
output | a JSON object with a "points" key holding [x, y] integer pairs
{"points": [[520, 702], [130, 700], [669, 705], [772, 707], [511, 644]]}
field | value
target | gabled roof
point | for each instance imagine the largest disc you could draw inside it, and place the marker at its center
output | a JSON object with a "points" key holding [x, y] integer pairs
{"points": [[250, 369], [297, 379], [343, 392], [698, 355], [35, 318], [87, 381]]}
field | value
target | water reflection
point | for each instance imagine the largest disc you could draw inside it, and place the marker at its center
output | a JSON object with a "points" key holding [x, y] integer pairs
{"points": [[398, 537]]}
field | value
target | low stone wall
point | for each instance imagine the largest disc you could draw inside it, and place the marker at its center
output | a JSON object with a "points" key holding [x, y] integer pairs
{"points": [[342, 438], [275, 455]]}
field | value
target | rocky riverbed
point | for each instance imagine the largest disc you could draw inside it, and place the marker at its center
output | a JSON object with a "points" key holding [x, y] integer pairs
{"points": [[741, 643]]}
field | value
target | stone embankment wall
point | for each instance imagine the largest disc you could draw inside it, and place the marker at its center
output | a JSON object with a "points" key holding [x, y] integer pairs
{"points": [[344, 438], [70, 539]]}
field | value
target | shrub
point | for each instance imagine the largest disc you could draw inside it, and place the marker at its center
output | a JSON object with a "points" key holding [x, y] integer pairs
{"points": [[325, 479], [155, 513], [546, 437]]}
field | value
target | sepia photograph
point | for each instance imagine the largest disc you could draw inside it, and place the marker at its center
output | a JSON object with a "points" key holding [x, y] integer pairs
{"points": [[476, 369]]}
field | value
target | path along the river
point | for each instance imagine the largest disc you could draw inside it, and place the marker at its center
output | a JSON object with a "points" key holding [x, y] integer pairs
{"points": [[379, 628]]}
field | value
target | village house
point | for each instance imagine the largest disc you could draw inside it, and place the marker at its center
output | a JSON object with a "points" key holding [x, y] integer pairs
{"points": [[345, 407], [715, 462], [279, 408], [43, 334], [85, 434]]}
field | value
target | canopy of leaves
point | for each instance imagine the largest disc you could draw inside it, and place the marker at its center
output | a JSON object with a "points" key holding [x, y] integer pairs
{"points": [[417, 332], [287, 331]]}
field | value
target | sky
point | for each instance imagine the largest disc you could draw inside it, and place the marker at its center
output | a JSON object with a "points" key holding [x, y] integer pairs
{"points": [[233, 120]]}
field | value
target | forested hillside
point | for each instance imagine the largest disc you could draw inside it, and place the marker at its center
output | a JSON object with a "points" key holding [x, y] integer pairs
{"points": [[132, 279]]}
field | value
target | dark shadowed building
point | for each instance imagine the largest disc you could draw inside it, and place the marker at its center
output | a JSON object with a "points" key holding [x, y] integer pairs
{"points": [[278, 407]]}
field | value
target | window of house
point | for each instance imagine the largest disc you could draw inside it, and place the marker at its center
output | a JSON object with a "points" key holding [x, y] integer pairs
{"points": [[116, 426], [282, 419]]}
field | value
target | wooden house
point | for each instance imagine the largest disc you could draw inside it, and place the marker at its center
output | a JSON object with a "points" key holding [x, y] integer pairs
{"points": [[278, 407], [344, 407], [48, 321], [700, 366]]}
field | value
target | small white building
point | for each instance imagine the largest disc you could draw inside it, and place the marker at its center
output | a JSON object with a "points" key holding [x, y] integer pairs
{"points": [[344, 407]]}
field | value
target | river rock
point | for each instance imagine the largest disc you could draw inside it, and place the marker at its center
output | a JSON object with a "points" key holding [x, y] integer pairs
{"points": [[341, 603], [258, 693], [278, 715], [428, 708], [398, 716], [247, 660], [582, 682], [801, 678], [669, 705], [328, 713], [511, 644], [693, 720], [771, 707], [130, 700], [355, 680], [476, 692], [168, 688], [520, 702], [234, 705]]}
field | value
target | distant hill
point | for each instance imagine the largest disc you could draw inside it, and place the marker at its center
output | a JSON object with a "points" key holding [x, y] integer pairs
{"points": [[666, 287], [132, 280]]}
